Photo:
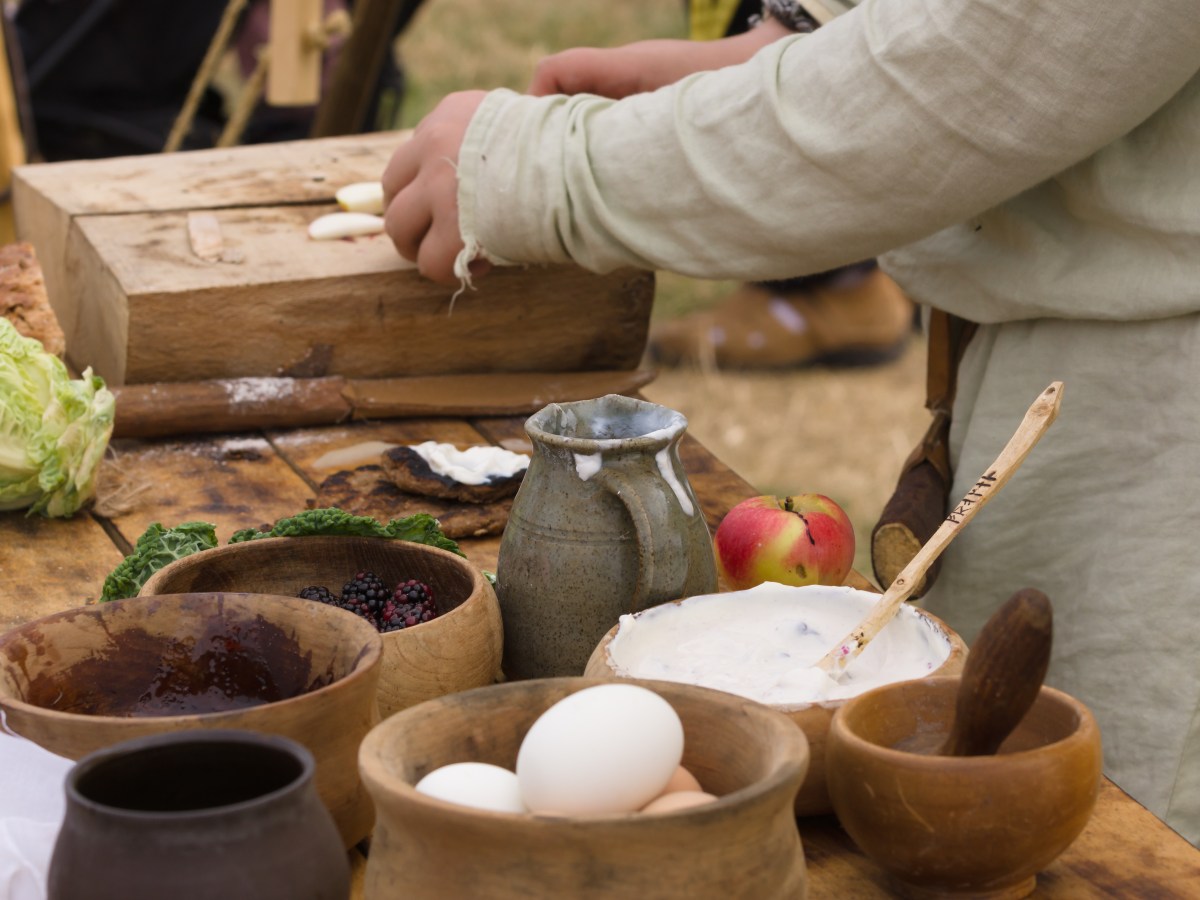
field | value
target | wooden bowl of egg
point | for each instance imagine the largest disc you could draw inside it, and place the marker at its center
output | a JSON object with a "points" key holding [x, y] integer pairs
{"points": [[84, 679], [458, 649], [563, 787], [762, 643]]}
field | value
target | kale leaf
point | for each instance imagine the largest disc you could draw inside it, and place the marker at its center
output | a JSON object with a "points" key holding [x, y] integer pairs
{"points": [[159, 546], [421, 528], [155, 548]]}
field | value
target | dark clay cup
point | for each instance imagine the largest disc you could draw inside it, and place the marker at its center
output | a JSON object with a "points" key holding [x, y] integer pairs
{"points": [[197, 815]]}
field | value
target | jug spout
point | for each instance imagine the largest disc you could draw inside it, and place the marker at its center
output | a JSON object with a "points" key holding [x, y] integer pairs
{"points": [[613, 422]]}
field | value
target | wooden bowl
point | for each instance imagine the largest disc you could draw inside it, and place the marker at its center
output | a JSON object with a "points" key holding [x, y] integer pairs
{"points": [[460, 649], [973, 826], [743, 845], [813, 718], [87, 678]]}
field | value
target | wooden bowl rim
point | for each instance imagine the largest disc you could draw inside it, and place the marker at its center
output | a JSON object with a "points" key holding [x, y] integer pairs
{"points": [[958, 649], [1086, 733], [362, 667], [790, 741], [480, 586]]}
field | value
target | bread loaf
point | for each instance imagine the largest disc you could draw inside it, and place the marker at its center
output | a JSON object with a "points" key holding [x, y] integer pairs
{"points": [[23, 299]]}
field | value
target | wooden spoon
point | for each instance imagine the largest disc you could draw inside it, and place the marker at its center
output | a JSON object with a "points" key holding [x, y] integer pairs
{"points": [[1041, 414], [1003, 674]]}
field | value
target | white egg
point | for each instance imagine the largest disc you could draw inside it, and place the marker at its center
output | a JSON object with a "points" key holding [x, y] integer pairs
{"points": [[609, 748], [474, 784]]}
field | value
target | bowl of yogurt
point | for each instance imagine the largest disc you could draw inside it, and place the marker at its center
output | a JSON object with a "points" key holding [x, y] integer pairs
{"points": [[763, 644]]}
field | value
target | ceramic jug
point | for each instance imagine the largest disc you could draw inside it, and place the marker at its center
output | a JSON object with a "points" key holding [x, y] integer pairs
{"points": [[197, 815], [604, 523]]}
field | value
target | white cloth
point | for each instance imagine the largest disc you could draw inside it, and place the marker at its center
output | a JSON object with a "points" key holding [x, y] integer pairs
{"points": [[1028, 164], [32, 805]]}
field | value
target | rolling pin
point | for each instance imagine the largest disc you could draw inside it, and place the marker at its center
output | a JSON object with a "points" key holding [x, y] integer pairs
{"points": [[246, 404]]}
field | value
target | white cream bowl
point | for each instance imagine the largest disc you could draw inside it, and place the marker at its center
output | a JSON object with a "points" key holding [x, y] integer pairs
{"points": [[761, 644]]}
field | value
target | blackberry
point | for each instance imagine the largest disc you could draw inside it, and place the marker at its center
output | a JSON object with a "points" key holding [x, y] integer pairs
{"points": [[320, 594], [365, 594], [361, 610], [412, 591], [406, 615], [411, 604]]}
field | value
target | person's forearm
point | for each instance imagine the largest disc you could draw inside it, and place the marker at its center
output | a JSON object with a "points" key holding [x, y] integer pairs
{"points": [[645, 65], [893, 121], [738, 48], [707, 56]]}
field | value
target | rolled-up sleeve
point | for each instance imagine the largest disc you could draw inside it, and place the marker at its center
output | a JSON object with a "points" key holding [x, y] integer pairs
{"points": [[894, 121]]}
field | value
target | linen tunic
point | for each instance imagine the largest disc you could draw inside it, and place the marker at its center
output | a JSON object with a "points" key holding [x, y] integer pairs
{"points": [[1033, 166]]}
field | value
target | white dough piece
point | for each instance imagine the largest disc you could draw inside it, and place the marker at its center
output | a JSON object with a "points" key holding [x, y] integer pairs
{"points": [[343, 225]]}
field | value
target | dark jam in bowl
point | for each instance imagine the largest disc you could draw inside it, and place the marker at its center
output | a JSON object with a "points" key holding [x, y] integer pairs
{"points": [[231, 665]]}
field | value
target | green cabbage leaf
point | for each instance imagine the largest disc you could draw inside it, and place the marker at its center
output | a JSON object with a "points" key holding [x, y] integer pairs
{"points": [[159, 546], [53, 429], [155, 548], [421, 528]]}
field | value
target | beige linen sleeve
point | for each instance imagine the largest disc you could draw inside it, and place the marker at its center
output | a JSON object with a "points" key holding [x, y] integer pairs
{"points": [[893, 121]]}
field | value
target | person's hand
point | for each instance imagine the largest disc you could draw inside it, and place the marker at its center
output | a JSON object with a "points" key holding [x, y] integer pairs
{"points": [[619, 71], [420, 190], [645, 65]]}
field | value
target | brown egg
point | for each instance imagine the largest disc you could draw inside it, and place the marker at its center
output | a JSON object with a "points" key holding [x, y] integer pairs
{"points": [[676, 800], [682, 780]]}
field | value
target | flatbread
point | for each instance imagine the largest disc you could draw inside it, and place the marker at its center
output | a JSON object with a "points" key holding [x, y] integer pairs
{"points": [[365, 491], [409, 471], [23, 299]]}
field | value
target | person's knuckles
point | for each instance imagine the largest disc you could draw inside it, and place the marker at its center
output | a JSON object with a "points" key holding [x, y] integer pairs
{"points": [[406, 221], [440, 249], [436, 264]]}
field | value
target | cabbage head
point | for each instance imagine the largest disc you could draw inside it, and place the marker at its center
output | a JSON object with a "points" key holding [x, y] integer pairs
{"points": [[53, 429]]}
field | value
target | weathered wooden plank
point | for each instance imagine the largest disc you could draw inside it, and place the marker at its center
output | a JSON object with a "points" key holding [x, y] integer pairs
{"points": [[232, 482], [484, 552], [1124, 852], [150, 253], [505, 431], [255, 175], [143, 307], [48, 565], [305, 447], [39, 216], [138, 304], [47, 197]]}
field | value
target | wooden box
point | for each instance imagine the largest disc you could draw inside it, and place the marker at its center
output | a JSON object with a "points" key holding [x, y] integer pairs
{"points": [[138, 304]]}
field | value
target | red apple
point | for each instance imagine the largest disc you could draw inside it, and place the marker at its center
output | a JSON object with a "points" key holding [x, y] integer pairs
{"points": [[805, 539]]}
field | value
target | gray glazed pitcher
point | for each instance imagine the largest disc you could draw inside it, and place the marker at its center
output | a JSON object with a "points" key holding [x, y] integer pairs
{"points": [[605, 523]]}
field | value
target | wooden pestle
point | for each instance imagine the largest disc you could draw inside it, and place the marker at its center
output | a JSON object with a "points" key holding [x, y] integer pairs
{"points": [[1003, 674]]}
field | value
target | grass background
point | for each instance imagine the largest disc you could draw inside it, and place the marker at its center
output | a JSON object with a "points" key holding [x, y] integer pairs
{"points": [[843, 433]]}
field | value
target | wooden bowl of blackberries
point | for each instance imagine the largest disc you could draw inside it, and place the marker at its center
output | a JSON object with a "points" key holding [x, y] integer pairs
{"points": [[438, 615]]}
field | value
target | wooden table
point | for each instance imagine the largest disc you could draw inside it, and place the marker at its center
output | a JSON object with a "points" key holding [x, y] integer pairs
{"points": [[238, 481]]}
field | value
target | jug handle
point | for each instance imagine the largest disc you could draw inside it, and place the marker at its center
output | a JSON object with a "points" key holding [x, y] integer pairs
{"points": [[658, 579]]}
